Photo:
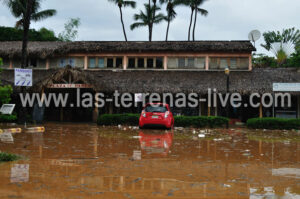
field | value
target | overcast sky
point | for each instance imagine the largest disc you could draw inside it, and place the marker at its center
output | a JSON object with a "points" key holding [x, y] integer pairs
{"points": [[227, 19]]}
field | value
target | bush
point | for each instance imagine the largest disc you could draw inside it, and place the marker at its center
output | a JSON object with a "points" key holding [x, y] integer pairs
{"points": [[6, 157], [8, 118], [273, 123], [200, 121], [182, 121], [116, 119]]}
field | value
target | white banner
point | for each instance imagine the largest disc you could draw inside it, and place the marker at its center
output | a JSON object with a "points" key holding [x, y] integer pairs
{"points": [[286, 87], [23, 77]]}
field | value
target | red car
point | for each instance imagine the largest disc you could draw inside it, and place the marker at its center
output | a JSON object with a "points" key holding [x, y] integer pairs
{"points": [[156, 115]]}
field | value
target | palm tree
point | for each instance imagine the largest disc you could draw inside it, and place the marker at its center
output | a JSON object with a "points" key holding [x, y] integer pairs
{"points": [[18, 9], [171, 12], [146, 19], [203, 12], [194, 5], [123, 3]]}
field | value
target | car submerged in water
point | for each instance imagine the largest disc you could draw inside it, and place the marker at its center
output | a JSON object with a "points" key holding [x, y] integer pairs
{"points": [[156, 115]]}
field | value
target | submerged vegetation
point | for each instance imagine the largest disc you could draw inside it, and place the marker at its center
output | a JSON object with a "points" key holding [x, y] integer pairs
{"points": [[7, 157]]}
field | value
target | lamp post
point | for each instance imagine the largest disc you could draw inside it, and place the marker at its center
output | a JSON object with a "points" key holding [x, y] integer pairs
{"points": [[227, 73]]}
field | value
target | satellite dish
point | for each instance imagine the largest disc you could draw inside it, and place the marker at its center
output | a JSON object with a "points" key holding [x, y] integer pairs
{"points": [[254, 35]]}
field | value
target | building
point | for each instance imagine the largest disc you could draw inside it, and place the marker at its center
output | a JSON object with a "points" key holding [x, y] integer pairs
{"points": [[147, 67]]}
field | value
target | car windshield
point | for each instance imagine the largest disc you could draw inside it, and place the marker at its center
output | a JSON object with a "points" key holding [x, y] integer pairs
{"points": [[156, 109]]}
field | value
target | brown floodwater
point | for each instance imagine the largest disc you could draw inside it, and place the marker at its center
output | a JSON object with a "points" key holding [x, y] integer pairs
{"points": [[87, 161]]}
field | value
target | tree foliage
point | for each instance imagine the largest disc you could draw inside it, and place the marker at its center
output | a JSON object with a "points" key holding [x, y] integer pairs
{"points": [[287, 35], [70, 33], [14, 34], [18, 10]]}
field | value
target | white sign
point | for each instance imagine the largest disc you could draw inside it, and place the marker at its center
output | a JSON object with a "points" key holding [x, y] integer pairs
{"points": [[7, 109], [138, 97], [23, 77], [286, 87], [70, 86], [19, 173], [7, 138]]}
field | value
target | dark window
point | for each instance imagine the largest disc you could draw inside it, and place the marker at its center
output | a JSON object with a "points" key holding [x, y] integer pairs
{"points": [[181, 62], [131, 63], [150, 63], [110, 63], [159, 62], [156, 109], [141, 63], [33, 63], [119, 62]]}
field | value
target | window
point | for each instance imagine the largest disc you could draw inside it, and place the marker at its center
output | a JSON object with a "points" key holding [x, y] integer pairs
{"points": [[141, 63], [62, 63], [131, 63], [223, 63], [150, 63], [191, 62], [244, 63], [101, 62], [200, 63], [110, 62], [159, 62], [119, 62], [232, 63], [181, 62], [72, 62], [92, 63]]}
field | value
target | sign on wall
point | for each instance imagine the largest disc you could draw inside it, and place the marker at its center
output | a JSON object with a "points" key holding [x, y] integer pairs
{"points": [[70, 86], [286, 87], [23, 77]]}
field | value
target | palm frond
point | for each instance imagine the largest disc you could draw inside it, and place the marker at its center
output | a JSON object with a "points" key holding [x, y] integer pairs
{"points": [[131, 4], [137, 25], [43, 14], [203, 12]]}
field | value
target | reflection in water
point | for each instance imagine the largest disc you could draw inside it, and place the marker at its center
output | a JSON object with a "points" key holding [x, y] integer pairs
{"points": [[156, 143], [86, 161], [19, 173]]}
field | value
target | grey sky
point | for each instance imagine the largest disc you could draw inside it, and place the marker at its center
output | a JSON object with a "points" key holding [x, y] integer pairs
{"points": [[227, 19]]}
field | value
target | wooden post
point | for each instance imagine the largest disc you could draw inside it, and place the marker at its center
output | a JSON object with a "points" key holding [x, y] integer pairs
{"points": [[86, 62], [208, 111], [260, 111], [250, 62], [47, 64], [95, 114], [207, 62], [125, 58], [165, 63], [10, 63]]}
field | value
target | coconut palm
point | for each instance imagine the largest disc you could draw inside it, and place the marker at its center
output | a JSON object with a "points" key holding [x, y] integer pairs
{"points": [[18, 10], [121, 4], [171, 14], [194, 6], [146, 19], [203, 12]]}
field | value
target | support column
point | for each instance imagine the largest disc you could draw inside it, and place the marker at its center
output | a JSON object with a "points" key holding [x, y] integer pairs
{"points": [[208, 111], [250, 62], [165, 63], [95, 114], [125, 59], [47, 64], [260, 111], [10, 63], [298, 105], [207, 62], [86, 62]]}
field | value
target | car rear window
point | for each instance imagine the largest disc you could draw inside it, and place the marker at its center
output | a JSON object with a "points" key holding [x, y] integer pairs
{"points": [[156, 109]]}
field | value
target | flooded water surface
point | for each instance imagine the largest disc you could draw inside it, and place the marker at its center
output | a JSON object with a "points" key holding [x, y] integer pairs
{"points": [[87, 161]]}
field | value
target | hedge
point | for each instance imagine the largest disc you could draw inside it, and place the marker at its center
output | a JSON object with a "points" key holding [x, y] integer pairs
{"points": [[273, 123], [6, 157], [180, 121], [200, 121], [8, 118]]}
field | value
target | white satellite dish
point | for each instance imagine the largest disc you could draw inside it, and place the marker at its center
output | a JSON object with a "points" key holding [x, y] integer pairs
{"points": [[254, 35]]}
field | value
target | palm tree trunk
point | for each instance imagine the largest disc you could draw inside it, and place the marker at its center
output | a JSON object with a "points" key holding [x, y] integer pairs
{"points": [[124, 31], [195, 22], [191, 21], [24, 63], [167, 34], [153, 17]]}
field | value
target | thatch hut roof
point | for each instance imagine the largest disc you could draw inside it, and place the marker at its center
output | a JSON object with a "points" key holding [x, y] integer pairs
{"points": [[142, 81], [47, 49]]}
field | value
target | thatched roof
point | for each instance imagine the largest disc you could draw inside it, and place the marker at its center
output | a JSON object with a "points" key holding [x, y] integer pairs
{"points": [[259, 80], [46, 49]]}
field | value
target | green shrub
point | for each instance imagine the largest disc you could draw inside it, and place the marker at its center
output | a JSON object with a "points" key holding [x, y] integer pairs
{"points": [[116, 119], [8, 118], [6, 157], [181, 121], [200, 121], [273, 123]]}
